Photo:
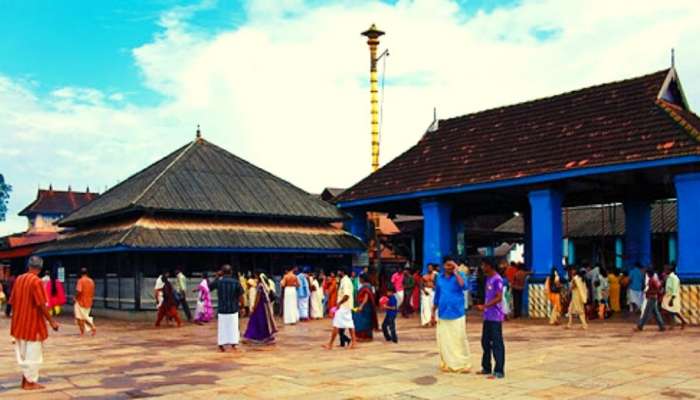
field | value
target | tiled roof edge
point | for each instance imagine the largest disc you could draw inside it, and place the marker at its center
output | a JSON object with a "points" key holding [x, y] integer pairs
{"points": [[692, 130]]}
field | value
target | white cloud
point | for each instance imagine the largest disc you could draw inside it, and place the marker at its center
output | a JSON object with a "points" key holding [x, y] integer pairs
{"points": [[288, 90]]}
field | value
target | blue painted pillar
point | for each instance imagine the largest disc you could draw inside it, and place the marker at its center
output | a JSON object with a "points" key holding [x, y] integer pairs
{"points": [[569, 250], [637, 233], [619, 251], [357, 225], [527, 236], [545, 208], [672, 249], [688, 197], [438, 240]]}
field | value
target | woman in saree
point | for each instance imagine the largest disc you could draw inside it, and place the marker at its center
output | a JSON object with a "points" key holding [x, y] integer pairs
{"points": [[168, 308], [415, 295], [204, 311], [331, 289], [365, 315], [261, 324], [614, 290], [316, 303], [552, 288]]}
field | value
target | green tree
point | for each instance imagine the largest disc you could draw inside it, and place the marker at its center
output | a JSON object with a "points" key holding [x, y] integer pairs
{"points": [[5, 190]]}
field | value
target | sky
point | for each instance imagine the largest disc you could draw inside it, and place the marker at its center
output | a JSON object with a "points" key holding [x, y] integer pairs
{"points": [[93, 91]]}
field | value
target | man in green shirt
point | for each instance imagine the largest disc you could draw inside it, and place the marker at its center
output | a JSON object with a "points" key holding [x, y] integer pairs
{"points": [[181, 292]]}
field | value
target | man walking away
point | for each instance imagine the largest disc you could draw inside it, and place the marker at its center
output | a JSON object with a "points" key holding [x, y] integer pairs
{"points": [[652, 292], [492, 332], [672, 296], [230, 293], [181, 292], [343, 315], [82, 302], [451, 333], [28, 328]]}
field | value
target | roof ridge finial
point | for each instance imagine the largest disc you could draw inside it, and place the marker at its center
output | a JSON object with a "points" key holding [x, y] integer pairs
{"points": [[199, 132], [673, 57]]}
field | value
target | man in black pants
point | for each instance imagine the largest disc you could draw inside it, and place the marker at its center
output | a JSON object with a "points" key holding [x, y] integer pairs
{"points": [[492, 333]]}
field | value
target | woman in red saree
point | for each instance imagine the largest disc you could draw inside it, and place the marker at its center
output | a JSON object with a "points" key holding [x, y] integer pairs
{"points": [[365, 316], [330, 287], [415, 295]]}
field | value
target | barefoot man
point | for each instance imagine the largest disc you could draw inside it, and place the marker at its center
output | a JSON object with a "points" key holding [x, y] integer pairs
{"points": [[448, 314], [82, 303], [343, 316], [230, 293], [28, 328]]}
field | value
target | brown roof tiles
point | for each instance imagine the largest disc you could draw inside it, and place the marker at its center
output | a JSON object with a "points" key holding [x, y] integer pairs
{"points": [[608, 124]]}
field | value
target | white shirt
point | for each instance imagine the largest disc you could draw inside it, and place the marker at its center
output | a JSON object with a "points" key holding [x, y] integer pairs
{"points": [[346, 288], [158, 288]]}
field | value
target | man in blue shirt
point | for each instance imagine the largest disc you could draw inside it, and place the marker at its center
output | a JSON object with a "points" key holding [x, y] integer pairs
{"points": [[230, 294], [635, 291], [448, 313]]}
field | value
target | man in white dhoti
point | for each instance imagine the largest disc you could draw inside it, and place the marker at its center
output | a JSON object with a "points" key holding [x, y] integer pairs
{"points": [[230, 295], [448, 314], [343, 315], [84, 294], [290, 311], [28, 328], [427, 296]]}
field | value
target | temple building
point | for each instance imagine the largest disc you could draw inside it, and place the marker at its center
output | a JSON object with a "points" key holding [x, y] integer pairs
{"points": [[631, 142], [197, 208], [42, 216]]}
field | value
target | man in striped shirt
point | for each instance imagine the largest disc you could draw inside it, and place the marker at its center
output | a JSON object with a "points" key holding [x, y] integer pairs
{"points": [[28, 328]]}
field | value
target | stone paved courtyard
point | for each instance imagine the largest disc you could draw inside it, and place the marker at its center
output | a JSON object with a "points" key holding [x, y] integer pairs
{"points": [[134, 360]]}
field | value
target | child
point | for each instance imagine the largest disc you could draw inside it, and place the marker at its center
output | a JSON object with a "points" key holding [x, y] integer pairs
{"points": [[390, 305]]}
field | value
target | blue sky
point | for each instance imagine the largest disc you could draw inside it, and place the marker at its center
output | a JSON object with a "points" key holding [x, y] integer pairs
{"points": [[88, 43], [93, 91]]}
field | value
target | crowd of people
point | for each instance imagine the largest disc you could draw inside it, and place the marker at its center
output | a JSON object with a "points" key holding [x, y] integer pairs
{"points": [[353, 299], [592, 293]]}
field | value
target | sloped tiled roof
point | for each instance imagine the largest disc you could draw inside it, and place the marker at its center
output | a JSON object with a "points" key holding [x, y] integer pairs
{"points": [[57, 202], [595, 221], [202, 178], [608, 124], [200, 234]]}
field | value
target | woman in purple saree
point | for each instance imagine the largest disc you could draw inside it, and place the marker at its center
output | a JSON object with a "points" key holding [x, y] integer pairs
{"points": [[204, 311], [261, 324]]}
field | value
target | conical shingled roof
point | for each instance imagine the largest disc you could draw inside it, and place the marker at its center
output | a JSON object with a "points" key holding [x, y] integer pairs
{"points": [[202, 178]]}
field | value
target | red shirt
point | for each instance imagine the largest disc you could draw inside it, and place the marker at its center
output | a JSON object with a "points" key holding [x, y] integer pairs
{"points": [[28, 300], [85, 292]]}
